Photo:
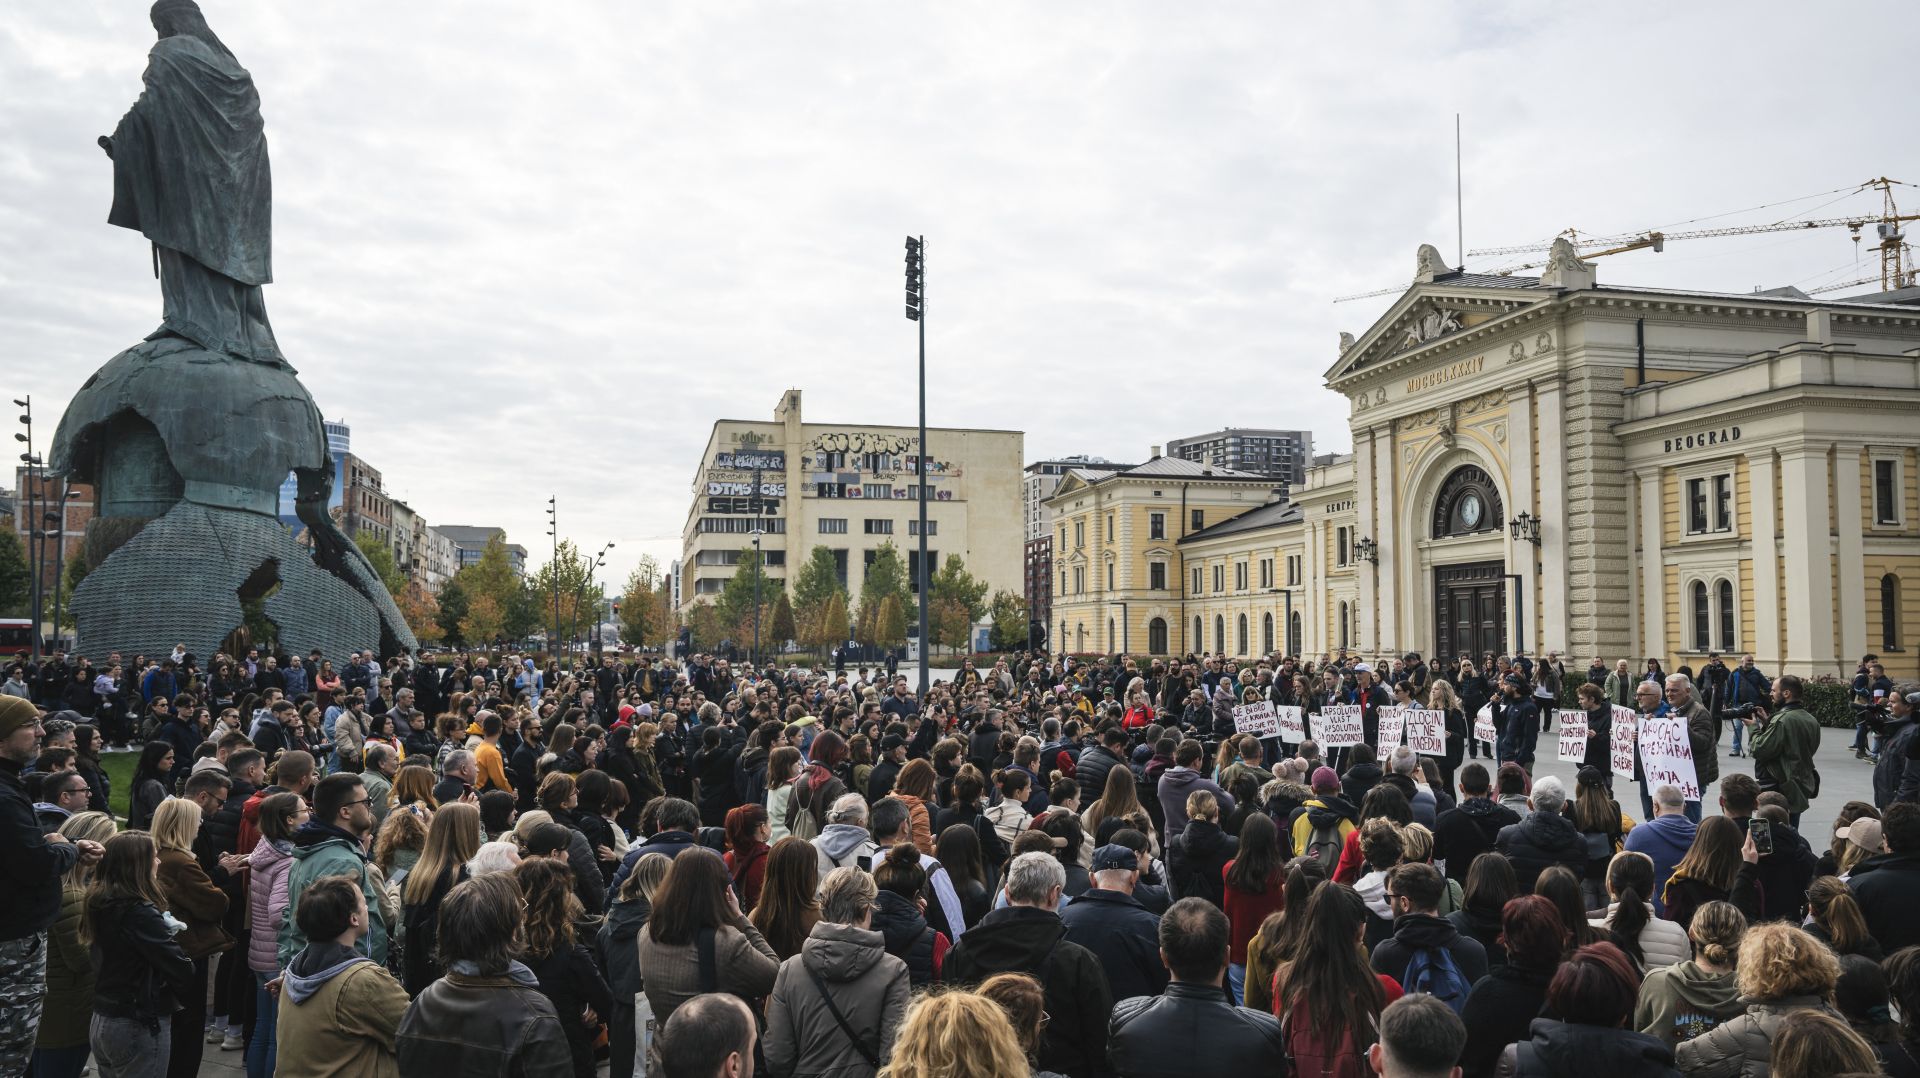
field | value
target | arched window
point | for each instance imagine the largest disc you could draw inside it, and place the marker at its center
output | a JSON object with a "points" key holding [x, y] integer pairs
{"points": [[1293, 633], [1724, 590], [1889, 611], [1468, 504], [1266, 633], [1219, 635], [1157, 636], [1702, 616], [1344, 641], [1240, 635]]}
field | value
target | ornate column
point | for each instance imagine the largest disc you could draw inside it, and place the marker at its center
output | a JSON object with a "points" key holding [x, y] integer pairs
{"points": [[1363, 519], [1550, 404], [1653, 615], [1519, 497], [1808, 549], [1390, 565], [1766, 562], [1851, 600]]}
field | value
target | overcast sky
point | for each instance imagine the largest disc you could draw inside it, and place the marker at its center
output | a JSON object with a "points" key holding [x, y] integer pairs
{"points": [[532, 249]]}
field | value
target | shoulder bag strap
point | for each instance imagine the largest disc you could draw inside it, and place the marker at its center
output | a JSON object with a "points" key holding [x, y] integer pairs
{"points": [[859, 1044]]}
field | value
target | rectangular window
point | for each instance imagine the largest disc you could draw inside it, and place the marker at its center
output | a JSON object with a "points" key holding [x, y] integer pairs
{"points": [[829, 490], [1240, 576], [776, 557], [1293, 569], [1079, 580], [742, 525], [1109, 527], [1886, 492], [840, 565], [1157, 575], [913, 527], [1723, 503], [913, 568], [1079, 533], [1156, 525], [879, 527], [1199, 519], [1696, 506], [833, 525], [1196, 580], [1109, 576], [1219, 578], [876, 491], [1266, 572], [1340, 552]]}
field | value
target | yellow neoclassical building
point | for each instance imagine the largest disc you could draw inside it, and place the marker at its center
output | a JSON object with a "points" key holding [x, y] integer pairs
{"points": [[1555, 464]]}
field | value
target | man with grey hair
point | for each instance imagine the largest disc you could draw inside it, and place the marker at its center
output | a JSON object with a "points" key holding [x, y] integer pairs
{"points": [[845, 842], [1682, 702], [381, 762], [893, 826], [1403, 773], [458, 775], [1027, 937], [1121, 932], [1544, 837], [837, 1005], [1666, 838]]}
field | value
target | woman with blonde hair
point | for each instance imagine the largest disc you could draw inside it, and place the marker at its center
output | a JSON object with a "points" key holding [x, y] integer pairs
{"points": [[956, 1035], [140, 968], [192, 898], [1120, 799], [1683, 1001], [452, 840], [413, 791], [60, 1050], [1782, 970], [1836, 920]]}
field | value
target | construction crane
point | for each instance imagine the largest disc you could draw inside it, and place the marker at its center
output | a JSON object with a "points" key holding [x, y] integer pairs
{"points": [[1897, 265]]}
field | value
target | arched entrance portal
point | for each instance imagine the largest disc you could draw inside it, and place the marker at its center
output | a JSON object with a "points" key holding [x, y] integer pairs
{"points": [[1469, 596]]}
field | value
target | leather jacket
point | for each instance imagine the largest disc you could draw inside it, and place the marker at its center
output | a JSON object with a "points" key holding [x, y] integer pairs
{"points": [[1165, 1034], [140, 969], [465, 1026]]}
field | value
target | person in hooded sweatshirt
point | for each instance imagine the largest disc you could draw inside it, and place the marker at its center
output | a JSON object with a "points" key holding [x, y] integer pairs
{"points": [[1415, 891], [333, 843], [1545, 837], [843, 974], [1666, 839], [1470, 828], [845, 839], [1683, 1001], [1179, 782], [1198, 855], [1592, 998], [339, 1010]]}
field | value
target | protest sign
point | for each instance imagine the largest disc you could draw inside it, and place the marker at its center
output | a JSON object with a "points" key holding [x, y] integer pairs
{"points": [[1625, 738], [1256, 718], [1666, 755], [1293, 728], [1392, 721], [1337, 726], [1483, 729], [1427, 732], [1573, 734]]}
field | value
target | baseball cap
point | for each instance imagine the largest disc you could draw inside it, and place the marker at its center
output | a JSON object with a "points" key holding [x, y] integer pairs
{"points": [[1112, 857], [1864, 832], [1326, 780], [1362, 668], [891, 742]]}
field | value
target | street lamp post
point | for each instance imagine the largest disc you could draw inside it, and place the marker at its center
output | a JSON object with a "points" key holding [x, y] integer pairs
{"points": [[553, 532], [599, 562], [36, 528], [916, 309]]}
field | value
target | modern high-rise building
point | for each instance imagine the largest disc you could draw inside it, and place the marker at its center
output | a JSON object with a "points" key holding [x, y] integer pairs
{"points": [[1276, 454], [339, 445]]}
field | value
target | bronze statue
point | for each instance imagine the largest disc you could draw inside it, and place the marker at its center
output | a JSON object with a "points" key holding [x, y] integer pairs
{"points": [[188, 435]]}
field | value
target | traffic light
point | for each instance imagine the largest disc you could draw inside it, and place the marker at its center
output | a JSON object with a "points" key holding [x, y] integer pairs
{"points": [[913, 278]]}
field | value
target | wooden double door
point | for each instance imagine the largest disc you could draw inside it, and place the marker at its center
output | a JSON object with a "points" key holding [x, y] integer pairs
{"points": [[1470, 610]]}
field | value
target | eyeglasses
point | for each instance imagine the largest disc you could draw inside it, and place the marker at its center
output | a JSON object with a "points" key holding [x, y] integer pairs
{"points": [[350, 804]]}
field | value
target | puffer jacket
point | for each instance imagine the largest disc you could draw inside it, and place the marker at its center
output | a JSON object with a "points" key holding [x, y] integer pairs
{"points": [[867, 984], [266, 901], [1570, 1050], [1090, 771], [69, 1003], [1195, 859], [1663, 942], [619, 942], [909, 938], [1742, 1047], [1539, 842]]}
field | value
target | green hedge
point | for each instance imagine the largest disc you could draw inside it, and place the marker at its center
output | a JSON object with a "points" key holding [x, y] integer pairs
{"points": [[1829, 701]]}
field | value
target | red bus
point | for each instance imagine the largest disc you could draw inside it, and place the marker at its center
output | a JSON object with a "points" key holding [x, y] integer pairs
{"points": [[16, 636]]}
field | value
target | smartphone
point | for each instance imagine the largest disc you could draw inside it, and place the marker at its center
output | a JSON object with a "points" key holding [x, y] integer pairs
{"points": [[1762, 833]]}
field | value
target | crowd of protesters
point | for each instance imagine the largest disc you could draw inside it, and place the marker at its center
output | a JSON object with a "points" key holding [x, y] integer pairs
{"points": [[492, 865]]}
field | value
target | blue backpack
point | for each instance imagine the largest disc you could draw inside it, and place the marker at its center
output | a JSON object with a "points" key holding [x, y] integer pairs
{"points": [[1431, 970]]}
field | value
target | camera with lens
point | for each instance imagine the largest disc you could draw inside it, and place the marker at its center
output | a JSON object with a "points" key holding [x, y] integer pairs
{"points": [[1740, 711]]}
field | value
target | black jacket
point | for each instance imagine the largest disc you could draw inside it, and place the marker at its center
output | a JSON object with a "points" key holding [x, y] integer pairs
{"points": [[1359, 779], [1897, 776], [1783, 877], [1193, 1029], [30, 902], [908, 936], [1499, 1011], [1416, 932], [139, 970], [880, 780], [1090, 771], [570, 980], [1468, 830], [1570, 1050], [1023, 939], [1123, 936], [1887, 886], [619, 942], [471, 1026], [1539, 842], [1195, 859], [1483, 926], [523, 771]]}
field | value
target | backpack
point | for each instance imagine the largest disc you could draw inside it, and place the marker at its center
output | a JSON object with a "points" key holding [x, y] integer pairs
{"points": [[1325, 844], [1431, 970], [801, 822]]}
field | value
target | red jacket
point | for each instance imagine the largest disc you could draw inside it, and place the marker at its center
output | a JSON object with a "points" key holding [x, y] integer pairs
{"points": [[1246, 910]]}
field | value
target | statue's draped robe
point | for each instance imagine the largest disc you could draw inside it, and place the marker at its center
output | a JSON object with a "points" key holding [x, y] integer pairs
{"points": [[190, 173]]}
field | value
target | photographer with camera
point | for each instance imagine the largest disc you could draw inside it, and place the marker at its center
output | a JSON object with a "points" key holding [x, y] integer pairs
{"points": [[1896, 777], [1872, 690], [1784, 744], [1743, 689]]}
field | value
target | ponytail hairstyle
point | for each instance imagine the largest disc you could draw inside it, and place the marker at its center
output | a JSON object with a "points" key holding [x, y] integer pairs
{"points": [[1716, 932], [1011, 781], [1280, 941], [1630, 882], [1835, 909], [901, 872]]}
